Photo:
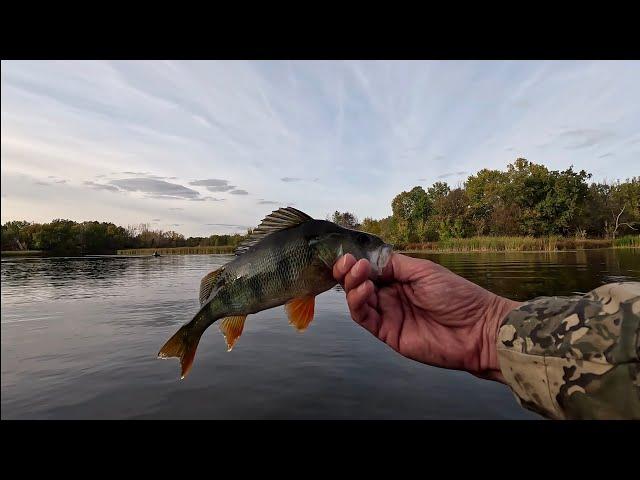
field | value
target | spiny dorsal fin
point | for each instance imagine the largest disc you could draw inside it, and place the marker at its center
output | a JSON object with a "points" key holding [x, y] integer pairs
{"points": [[207, 283], [277, 220], [231, 327], [300, 312]]}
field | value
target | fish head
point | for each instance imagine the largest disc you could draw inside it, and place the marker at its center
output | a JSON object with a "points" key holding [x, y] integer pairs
{"points": [[332, 246]]}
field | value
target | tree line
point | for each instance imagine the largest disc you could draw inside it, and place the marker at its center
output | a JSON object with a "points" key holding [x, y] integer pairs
{"points": [[66, 237], [526, 199]]}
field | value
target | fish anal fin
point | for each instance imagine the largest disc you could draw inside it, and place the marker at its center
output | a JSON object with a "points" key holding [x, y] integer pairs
{"points": [[207, 283], [300, 312], [231, 328]]}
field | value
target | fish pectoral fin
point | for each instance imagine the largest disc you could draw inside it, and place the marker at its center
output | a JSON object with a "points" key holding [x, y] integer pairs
{"points": [[207, 283], [300, 312], [231, 328]]}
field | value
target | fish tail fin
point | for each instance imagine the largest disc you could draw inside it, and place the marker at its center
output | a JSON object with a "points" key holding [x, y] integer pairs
{"points": [[183, 345]]}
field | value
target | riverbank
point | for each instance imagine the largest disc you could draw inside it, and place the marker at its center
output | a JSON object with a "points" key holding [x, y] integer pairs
{"points": [[463, 245], [519, 244], [22, 253], [178, 251]]}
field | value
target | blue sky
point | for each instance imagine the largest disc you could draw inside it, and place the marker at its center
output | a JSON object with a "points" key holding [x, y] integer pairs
{"points": [[212, 147]]}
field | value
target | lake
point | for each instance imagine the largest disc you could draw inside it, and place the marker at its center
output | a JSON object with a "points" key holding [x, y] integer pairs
{"points": [[80, 338]]}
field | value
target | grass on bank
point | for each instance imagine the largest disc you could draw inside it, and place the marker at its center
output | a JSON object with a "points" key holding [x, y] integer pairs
{"points": [[178, 250], [519, 244], [21, 253]]}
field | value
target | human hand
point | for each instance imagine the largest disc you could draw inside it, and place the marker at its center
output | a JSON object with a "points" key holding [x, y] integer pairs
{"points": [[426, 313]]}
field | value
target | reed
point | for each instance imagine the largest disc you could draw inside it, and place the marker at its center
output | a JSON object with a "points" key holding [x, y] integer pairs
{"points": [[178, 250], [627, 241], [511, 244], [21, 253]]}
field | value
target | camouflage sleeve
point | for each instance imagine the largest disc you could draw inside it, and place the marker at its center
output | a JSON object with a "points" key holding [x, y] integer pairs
{"points": [[575, 357]]}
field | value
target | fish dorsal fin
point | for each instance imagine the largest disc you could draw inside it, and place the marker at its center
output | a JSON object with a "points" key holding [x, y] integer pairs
{"points": [[277, 220], [207, 283], [300, 312], [231, 328]]}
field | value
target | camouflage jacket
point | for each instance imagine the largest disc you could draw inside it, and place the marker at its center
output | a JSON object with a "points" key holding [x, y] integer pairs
{"points": [[575, 357]]}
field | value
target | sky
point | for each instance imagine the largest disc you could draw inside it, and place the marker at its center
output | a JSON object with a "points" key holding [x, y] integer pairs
{"points": [[203, 147]]}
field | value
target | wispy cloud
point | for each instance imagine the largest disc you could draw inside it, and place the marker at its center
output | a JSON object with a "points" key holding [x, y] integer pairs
{"points": [[297, 179], [100, 186], [239, 192], [42, 183], [452, 174], [369, 128], [585, 137], [229, 225], [204, 199], [213, 184], [156, 188]]}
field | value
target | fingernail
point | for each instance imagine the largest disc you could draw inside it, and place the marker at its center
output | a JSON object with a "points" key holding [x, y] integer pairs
{"points": [[344, 262], [363, 287], [355, 269]]}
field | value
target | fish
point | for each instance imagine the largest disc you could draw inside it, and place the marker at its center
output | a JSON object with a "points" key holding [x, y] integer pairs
{"points": [[287, 260]]}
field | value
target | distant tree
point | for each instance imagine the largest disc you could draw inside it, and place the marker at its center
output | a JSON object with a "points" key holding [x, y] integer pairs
{"points": [[345, 219]]}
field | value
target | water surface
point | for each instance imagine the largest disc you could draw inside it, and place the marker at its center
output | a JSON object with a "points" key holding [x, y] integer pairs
{"points": [[80, 336]]}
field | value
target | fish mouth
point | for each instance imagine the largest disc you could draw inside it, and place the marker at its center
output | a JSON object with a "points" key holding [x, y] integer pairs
{"points": [[379, 258]]}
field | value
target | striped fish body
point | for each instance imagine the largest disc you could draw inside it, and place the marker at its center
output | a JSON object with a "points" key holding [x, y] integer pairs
{"points": [[288, 260]]}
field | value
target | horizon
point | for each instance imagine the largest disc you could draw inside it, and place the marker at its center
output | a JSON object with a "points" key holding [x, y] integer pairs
{"points": [[206, 148]]}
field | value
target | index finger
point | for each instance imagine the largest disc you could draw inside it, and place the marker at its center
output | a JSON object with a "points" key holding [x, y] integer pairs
{"points": [[342, 267]]}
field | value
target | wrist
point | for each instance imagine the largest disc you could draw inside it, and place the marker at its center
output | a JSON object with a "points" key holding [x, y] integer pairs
{"points": [[497, 309]]}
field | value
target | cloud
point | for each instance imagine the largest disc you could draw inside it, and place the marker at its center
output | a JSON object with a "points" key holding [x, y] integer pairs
{"points": [[148, 175], [211, 199], [268, 202], [175, 224], [176, 208], [213, 184], [509, 149], [605, 155], [42, 183], [229, 225], [452, 174], [100, 186], [297, 179], [61, 181], [585, 137], [155, 219], [153, 188], [239, 192]]}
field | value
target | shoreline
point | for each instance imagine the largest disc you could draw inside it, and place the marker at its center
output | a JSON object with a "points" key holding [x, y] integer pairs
{"points": [[132, 254]]}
